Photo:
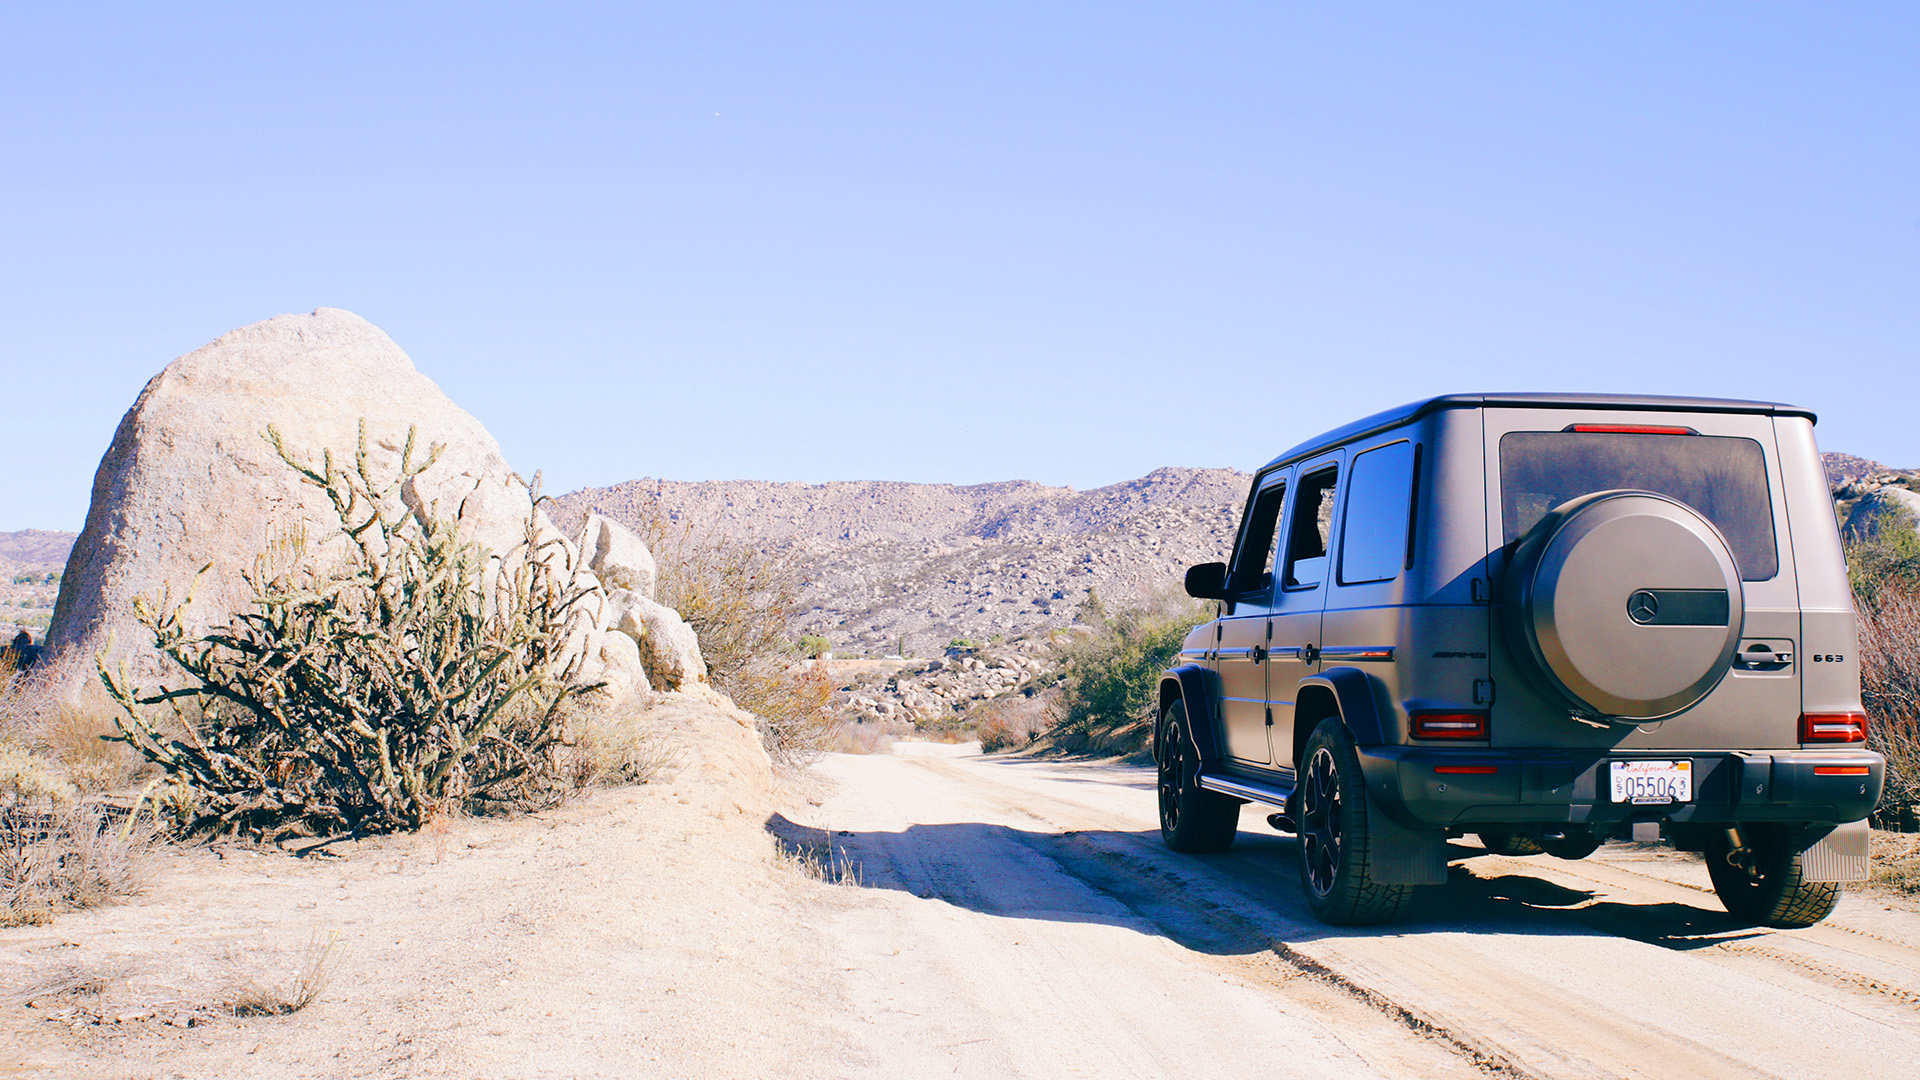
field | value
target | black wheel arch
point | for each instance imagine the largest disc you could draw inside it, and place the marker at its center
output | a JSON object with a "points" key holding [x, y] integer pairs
{"points": [[1194, 685], [1344, 692]]}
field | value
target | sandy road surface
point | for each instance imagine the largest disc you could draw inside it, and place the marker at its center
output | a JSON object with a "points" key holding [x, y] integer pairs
{"points": [[997, 918], [1032, 924]]}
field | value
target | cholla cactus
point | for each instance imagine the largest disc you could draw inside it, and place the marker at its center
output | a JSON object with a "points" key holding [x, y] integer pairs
{"points": [[408, 679]]}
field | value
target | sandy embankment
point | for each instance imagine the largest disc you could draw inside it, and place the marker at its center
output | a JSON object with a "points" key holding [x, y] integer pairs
{"points": [[629, 933]]}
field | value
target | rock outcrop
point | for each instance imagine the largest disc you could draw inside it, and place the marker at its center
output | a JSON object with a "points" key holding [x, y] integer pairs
{"points": [[668, 649], [191, 481], [1887, 504]]}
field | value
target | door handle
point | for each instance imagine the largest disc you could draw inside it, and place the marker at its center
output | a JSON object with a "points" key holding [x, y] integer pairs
{"points": [[1310, 653], [1259, 654]]}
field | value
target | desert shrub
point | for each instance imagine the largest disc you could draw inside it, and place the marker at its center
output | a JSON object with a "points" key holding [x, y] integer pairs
{"points": [[874, 736], [27, 779], [740, 599], [790, 701], [68, 860], [812, 646], [251, 992], [408, 677], [1012, 721], [1110, 692], [1884, 569], [68, 730], [1890, 687]]}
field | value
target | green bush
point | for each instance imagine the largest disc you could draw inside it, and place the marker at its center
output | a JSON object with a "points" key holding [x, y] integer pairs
{"points": [[1110, 694], [369, 694], [1890, 560], [812, 646]]}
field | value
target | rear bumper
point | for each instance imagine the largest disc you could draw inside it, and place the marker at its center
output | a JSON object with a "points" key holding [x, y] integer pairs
{"points": [[1516, 787]]}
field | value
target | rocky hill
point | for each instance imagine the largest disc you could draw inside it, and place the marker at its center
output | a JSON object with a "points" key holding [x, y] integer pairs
{"points": [[37, 547], [907, 568], [30, 564]]}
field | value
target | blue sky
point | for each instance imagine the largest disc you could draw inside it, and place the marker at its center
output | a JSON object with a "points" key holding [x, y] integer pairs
{"points": [[967, 242]]}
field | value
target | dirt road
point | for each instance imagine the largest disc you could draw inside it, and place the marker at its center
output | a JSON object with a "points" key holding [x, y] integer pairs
{"points": [[996, 918], [1031, 924]]}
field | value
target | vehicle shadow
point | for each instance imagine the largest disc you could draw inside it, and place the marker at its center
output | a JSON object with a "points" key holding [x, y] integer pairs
{"points": [[1239, 902]]}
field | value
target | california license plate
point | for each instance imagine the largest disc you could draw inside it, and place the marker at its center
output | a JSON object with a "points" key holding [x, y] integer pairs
{"points": [[1645, 782]]}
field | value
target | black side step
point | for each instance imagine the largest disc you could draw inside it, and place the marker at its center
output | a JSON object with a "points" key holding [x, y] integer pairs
{"points": [[1273, 793]]}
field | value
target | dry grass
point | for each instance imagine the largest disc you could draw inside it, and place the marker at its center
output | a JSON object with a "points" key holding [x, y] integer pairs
{"points": [[41, 713], [868, 737], [78, 858], [30, 781], [1890, 686], [1896, 861], [811, 854], [615, 746], [252, 994], [66, 980]]}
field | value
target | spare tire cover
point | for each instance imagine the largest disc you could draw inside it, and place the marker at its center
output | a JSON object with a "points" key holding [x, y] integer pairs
{"points": [[1627, 602]]}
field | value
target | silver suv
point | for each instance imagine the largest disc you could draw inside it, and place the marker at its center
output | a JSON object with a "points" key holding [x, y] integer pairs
{"points": [[1546, 620]]}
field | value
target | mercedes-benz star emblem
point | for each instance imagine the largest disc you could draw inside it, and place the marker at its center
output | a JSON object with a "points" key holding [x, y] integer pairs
{"points": [[1643, 606]]}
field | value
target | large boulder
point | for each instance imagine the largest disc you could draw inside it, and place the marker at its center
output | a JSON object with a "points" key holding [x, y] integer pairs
{"points": [[621, 562], [1890, 504], [618, 557], [669, 649], [190, 480]]}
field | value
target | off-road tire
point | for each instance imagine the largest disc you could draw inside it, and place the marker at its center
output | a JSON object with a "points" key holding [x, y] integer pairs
{"points": [[1192, 819], [1334, 822], [1511, 844], [1774, 894]]}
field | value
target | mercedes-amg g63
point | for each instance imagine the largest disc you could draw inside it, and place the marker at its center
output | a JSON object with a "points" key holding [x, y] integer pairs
{"points": [[1545, 620]]}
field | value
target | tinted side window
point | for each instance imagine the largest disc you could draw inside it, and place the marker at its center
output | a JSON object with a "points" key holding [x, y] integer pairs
{"points": [[1724, 479], [1253, 563], [1373, 542], [1308, 531]]}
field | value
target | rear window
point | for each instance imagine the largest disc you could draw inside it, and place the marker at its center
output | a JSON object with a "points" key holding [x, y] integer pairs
{"points": [[1724, 479]]}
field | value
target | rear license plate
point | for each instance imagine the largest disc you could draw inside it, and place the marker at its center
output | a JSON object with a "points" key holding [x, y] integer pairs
{"points": [[1652, 782]]}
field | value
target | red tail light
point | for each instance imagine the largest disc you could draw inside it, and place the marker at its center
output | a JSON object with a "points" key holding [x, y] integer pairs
{"points": [[1842, 727], [1450, 725], [1467, 770], [1841, 770]]}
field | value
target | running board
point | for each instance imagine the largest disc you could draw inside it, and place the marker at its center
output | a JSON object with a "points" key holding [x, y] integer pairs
{"points": [[1250, 790]]}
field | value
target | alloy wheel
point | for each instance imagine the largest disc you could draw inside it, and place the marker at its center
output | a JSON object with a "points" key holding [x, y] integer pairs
{"points": [[1320, 820]]}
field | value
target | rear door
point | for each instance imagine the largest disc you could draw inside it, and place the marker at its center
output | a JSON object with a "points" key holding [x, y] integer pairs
{"points": [[1300, 597], [1723, 465]]}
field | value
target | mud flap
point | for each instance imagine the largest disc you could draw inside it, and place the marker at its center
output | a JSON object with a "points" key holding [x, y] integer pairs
{"points": [[1841, 855], [1403, 856]]}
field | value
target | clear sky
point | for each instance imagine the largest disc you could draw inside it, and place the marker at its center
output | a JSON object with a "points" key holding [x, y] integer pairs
{"points": [[961, 242]]}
